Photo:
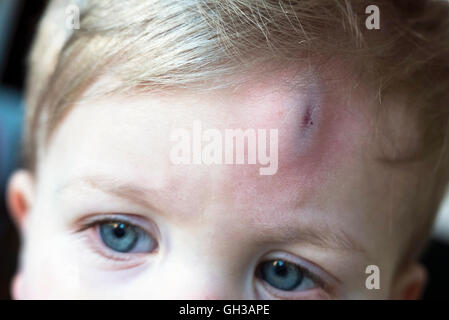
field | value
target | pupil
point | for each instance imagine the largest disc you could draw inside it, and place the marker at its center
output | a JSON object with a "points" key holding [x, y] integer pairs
{"points": [[280, 268], [281, 275], [119, 230]]}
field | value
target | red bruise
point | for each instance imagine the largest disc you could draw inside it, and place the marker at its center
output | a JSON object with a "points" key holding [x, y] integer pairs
{"points": [[307, 120]]}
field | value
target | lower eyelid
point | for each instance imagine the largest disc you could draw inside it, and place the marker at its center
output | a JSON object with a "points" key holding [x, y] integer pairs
{"points": [[325, 285], [112, 260], [312, 294], [108, 259], [321, 277]]}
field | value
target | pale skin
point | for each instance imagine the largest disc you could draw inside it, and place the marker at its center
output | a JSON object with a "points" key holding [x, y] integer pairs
{"points": [[210, 227]]}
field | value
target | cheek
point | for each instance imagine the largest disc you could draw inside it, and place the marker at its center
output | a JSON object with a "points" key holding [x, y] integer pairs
{"points": [[51, 269], [52, 255]]}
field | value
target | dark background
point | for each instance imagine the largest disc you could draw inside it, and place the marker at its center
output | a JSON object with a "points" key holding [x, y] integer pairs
{"points": [[21, 28], [18, 31]]}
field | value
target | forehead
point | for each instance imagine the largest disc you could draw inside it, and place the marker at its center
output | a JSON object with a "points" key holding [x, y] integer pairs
{"points": [[314, 125], [321, 136]]}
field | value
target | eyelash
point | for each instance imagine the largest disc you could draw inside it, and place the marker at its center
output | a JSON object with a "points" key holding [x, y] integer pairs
{"points": [[128, 260], [92, 223], [289, 258]]}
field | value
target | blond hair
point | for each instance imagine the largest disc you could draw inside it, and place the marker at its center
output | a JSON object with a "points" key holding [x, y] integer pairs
{"points": [[155, 44]]}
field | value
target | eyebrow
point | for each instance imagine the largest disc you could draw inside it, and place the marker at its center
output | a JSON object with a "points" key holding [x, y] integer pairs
{"points": [[320, 235], [129, 192]]}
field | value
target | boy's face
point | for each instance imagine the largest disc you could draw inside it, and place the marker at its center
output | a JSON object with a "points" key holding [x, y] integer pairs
{"points": [[110, 215]]}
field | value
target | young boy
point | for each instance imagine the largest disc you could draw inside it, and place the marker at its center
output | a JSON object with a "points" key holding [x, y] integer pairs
{"points": [[233, 149]]}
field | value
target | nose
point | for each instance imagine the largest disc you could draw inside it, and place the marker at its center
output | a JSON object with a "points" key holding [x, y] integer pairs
{"points": [[198, 272], [193, 280], [203, 261]]}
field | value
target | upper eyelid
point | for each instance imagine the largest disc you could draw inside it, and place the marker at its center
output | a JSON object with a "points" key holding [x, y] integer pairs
{"points": [[94, 219], [131, 219], [118, 260], [321, 285], [303, 264], [328, 280], [322, 236], [310, 274], [152, 229]]}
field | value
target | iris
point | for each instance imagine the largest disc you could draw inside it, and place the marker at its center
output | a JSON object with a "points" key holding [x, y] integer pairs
{"points": [[118, 236], [281, 275]]}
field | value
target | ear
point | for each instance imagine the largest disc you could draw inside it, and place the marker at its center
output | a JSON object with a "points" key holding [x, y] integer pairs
{"points": [[20, 197], [410, 283], [17, 293]]}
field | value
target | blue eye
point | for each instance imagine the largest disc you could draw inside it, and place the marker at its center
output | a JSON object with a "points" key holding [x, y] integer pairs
{"points": [[123, 237], [284, 276]]}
